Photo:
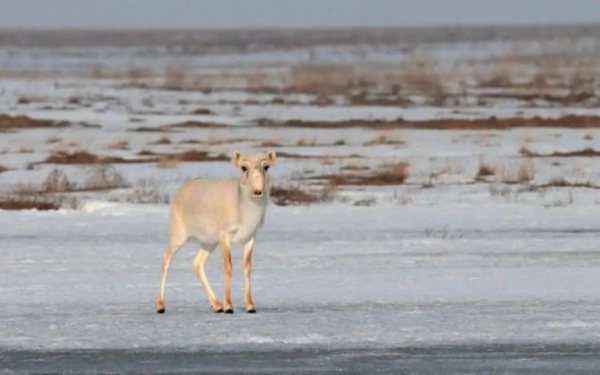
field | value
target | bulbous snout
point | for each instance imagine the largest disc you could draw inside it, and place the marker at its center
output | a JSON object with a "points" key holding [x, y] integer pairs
{"points": [[257, 183]]}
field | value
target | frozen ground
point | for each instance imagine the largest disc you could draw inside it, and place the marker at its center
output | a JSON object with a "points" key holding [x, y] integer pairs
{"points": [[449, 272], [336, 287], [446, 279]]}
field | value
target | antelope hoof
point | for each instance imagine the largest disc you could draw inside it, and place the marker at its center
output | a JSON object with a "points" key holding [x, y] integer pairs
{"points": [[229, 311], [219, 310], [160, 307], [160, 311], [251, 311]]}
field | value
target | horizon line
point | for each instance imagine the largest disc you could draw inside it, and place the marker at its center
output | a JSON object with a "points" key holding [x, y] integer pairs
{"points": [[296, 27]]}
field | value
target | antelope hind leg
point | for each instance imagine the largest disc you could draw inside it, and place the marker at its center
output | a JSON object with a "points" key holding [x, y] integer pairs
{"points": [[175, 243], [198, 264]]}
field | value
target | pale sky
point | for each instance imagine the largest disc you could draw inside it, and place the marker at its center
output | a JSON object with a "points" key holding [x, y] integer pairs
{"points": [[305, 13]]}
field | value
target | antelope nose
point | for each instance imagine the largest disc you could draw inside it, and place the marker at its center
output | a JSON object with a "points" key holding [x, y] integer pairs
{"points": [[258, 193]]}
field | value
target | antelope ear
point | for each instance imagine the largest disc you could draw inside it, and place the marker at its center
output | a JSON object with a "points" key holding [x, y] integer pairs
{"points": [[272, 157], [237, 157]]}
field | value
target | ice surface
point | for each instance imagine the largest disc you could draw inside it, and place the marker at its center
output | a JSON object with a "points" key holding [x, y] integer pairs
{"points": [[331, 276]]}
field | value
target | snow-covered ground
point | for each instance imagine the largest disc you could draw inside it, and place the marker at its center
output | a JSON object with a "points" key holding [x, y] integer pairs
{"points": [[332, 276], [445, 259]]}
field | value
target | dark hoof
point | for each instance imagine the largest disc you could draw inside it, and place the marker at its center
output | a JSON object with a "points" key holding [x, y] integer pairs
{"points": [[230, 311], [251, 311], [160, 311], [219, 311]]}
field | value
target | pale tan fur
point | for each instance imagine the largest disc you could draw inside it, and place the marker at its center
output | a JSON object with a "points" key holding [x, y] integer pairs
{"points": [[221, 212]]}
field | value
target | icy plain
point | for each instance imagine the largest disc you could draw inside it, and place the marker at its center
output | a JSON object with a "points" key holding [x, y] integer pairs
{"points": [[332, 278], [449, 278]]}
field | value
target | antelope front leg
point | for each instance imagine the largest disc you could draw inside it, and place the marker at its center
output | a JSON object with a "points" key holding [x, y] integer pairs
{"points": [[226, 251], [248, 247]]}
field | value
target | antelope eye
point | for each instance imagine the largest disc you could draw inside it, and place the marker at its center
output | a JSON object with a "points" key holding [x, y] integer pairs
{"points": [[244, 168], [266, 167]]}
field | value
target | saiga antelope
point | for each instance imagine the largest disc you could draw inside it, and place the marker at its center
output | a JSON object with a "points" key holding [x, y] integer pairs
{"points": [[220, 211]]}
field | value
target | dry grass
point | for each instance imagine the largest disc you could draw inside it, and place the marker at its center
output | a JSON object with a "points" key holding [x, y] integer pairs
{"points": [[137, 76], [269, 143], [517, 173], [86, 158], [313, 143], [510, 192], [202, 111], [497, 190], [104, 177], [322, 80], [57, 182], [386, 174], [485, 170], [40, 202], [354, 167], [164, 140], [186, 156], [322, 101], [501, 75], [167, 163], [327, 160], [146, 191], [523, 78], [383, 139], [190, 142], [491, 123], [194, 125], [75, 100], [24, 122], [526, 152], [56, 190], [296, 195], [586, 152], [97, 71], [364, 98], [439, 84], [118, 145], [562, 182], [53, 139], [214, 141], [558, 181], [365, 202], [30, 99], [450, 167], [557, 202], [147, 129], [402, 199], [290, 155], [422, 77], [50, 195], [305, 143], [97, 178], [178, 76]]}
